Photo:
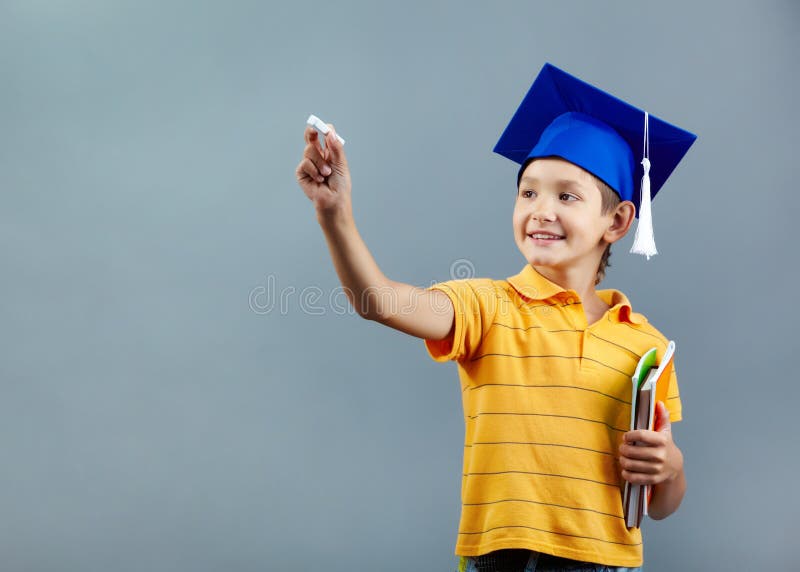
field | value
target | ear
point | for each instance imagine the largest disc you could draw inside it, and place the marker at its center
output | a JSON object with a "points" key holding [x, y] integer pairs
{"points": [[621, 221]]}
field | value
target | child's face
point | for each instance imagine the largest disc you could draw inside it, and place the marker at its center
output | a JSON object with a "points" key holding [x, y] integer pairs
{"points": [[557, 219]]}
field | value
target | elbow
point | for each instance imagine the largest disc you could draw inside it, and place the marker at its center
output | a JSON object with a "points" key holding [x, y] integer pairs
{"points": [[360, 305], [667, 497], [657, 515], [368, 314], [374, 315], [363, 310], [376, 304], [661, 514]]}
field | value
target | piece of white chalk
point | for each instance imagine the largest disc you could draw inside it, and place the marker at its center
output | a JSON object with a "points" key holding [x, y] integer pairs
{"points": [[321, 126]]}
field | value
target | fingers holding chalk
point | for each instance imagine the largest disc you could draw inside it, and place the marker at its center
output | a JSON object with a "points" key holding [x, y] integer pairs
{"points": [[322, 127], [323, 173]]}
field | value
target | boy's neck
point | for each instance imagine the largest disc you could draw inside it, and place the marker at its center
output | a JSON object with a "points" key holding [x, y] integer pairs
{"points": [[575, 279]]}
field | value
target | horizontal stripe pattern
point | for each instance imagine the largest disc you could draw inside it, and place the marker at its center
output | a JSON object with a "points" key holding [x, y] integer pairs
{"points": [[555, 532], [616, 516], [614, 484], [551, 415], [547, 386], [535, 444], [553, 356], [546, 400]]}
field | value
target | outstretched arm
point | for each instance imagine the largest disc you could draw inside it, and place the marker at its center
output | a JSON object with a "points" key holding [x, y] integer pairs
{"points": [[324, 176]]}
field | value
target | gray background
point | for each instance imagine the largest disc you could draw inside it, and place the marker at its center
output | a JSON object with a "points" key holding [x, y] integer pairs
{"points": [[160, 409]]}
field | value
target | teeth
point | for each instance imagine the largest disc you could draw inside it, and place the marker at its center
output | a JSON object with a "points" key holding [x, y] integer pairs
{"points": [[542, 235]]}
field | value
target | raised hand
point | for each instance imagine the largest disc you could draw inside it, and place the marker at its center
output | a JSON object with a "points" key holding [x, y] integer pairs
{"points": [[323, 173]]}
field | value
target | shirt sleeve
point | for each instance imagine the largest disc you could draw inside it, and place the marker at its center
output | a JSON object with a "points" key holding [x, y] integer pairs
{"points": [[474, 303]]}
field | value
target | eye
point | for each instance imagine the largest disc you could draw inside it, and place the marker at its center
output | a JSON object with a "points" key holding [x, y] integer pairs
{"points": [[526, 194], [568, 197]]}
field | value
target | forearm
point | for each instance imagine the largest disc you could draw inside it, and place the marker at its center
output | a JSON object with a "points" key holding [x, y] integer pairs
{"points": [[358, 272], [426, 314], [667, 495], [324, 176]]}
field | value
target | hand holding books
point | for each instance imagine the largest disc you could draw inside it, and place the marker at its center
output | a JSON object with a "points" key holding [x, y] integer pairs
{"points": [[648, 456]]}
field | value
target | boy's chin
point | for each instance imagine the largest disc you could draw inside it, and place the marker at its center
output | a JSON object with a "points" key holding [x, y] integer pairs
{"points": [[536, 257], [557, 260], [544, 262]]}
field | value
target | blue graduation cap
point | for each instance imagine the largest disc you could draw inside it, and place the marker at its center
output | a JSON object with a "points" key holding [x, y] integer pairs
{"points": [[563, 116]]}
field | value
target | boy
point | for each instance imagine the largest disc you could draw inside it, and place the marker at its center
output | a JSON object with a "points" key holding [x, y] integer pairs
{"points": [[544, 359]]}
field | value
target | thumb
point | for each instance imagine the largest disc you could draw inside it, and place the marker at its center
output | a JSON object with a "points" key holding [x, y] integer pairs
{"points": [[662, 423]]}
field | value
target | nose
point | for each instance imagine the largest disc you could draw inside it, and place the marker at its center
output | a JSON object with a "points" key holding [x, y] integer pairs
{"points": [[542, 210]]}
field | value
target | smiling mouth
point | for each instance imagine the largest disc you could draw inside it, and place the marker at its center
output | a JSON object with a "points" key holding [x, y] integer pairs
{"points": [[545, 236]]}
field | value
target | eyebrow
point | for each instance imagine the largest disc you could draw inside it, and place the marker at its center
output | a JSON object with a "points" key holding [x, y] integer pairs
{"points": [[559, 183]]}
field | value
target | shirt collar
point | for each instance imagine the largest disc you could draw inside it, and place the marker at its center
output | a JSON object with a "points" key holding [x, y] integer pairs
{"points": [[533, 286], [620, 307]]}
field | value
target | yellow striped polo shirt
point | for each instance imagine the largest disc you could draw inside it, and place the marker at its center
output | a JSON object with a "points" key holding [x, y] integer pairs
{"points": [[546, 401]]}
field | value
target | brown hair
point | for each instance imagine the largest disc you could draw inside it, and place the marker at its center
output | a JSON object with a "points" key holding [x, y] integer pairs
{"points": [[609, 201]]}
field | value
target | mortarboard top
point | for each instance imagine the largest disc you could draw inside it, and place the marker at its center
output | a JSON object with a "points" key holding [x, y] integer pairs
{"points": [[566, 117], [543, 126]]}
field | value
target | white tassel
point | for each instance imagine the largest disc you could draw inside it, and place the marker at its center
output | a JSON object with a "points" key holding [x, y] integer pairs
{"points": [[644, 242]]}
